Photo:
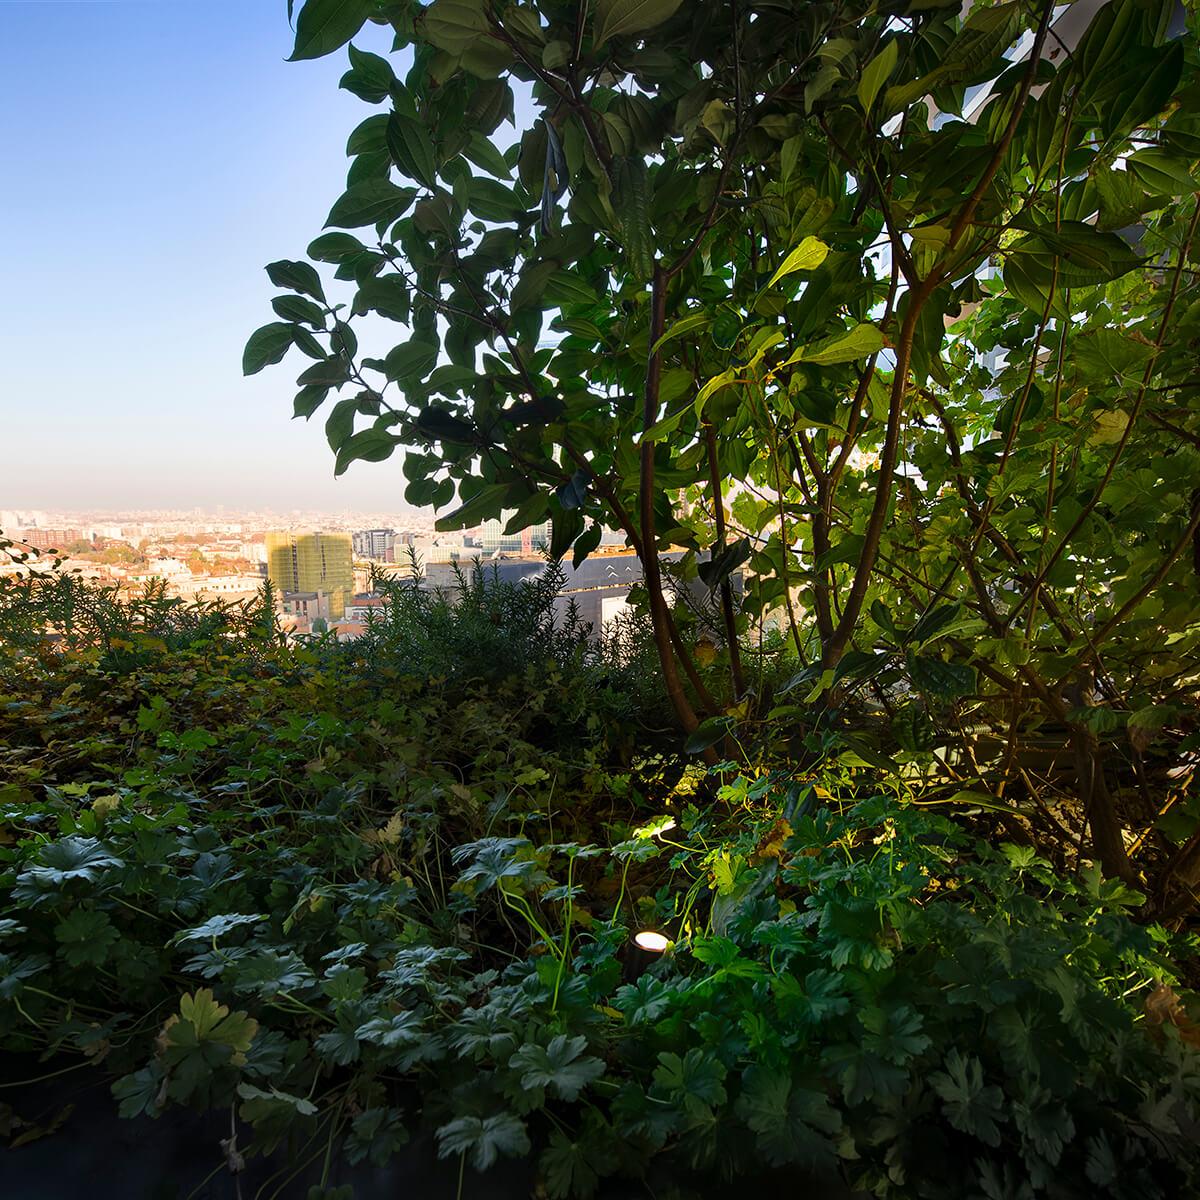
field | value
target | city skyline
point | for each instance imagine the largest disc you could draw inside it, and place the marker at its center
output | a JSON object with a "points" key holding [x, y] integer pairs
{"points": [[168, 152]]}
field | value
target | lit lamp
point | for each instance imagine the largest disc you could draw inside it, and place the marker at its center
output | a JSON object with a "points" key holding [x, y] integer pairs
{"points": [[647, 947], [652, 941]]}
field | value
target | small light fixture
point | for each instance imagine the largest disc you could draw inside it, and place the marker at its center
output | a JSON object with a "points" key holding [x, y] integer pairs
{"points": [[651, 941]]}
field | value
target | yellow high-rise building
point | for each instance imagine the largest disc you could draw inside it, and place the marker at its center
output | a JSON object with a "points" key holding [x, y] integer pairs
{"points": [[313, 562]]}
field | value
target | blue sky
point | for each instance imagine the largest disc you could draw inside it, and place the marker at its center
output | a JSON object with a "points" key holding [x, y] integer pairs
{"points": [[156, 154]]}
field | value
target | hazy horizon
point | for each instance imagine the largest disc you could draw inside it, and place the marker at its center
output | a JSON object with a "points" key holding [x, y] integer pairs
{"points": [[160, 155]]}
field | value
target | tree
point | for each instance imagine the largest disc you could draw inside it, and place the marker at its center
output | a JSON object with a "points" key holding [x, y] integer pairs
{"points": [[733, 288]]}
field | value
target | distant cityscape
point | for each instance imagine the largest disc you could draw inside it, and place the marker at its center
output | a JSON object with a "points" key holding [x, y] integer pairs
{"points": [[321, 565]]}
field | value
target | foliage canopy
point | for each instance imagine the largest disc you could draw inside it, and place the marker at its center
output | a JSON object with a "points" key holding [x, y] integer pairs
{"points": [[888, 304]]}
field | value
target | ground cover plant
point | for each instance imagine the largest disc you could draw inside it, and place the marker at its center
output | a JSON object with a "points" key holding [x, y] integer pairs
{"points": [[349, 903]]}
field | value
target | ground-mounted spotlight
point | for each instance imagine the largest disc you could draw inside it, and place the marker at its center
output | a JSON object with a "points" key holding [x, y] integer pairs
{"points": [[646, 948], [651, 941]]}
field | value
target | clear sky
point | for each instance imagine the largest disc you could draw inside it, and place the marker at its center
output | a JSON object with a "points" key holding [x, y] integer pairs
{"points": [[154, 155]]}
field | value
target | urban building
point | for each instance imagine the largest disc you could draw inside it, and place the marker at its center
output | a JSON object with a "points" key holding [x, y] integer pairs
{"points": [[492, 537], [313, 562], [50, 539], [307, 606], [218, 587], [374, 543], [363, 605]]}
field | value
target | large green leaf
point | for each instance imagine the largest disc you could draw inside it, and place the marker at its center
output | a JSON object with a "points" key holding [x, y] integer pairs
{"points": [[410, 360], [265, 346], [299, 276], [876, 73], [487, 502], [411, 148], [792, 1124], [324, 25], [1162, 172], [483, 1140], [807, 256], [561, 1067], [455, 25], [370, 77], [370, 202], [334, 247], [616, 18], [369, 445], [847, 346]]}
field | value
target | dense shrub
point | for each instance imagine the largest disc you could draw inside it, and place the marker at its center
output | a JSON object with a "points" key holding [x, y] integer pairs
{"points": [[309, 883]]}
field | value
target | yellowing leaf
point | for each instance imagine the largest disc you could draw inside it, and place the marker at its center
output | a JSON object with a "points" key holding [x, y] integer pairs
{"points": [[1110, 428], [770, 845], [807, 256]]}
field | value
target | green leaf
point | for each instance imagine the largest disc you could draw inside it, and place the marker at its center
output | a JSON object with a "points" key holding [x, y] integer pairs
{"points": [[297, 308], [436, 424], [396, 1029], [370, 137], [258, 1105], [334, 247], [1147, 93], [565, 526], [411, 148], [570, 1168], [718, 569], [482, 152], [492, 201], [694, 1081], [876, 74], [216, 926], [969, 1105], [985, 35], [1073, 255], [86, 937], [566, 287], [560, 1067], [331, 371], [1163, 173], [370, 202], [585, 543], [324, 25], [807, 256], [847, 346], [791, 1123], [699, 320], [266, 346], [707, 733], [942, 680], [299, 276], [410, 360], [370, 77], [368, 445], [455, 25], [631, 203], [483, 1140], [208, 1020], [644, 1002], [616, 18], [339, 425], [485, 503], [140, 1094]]}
